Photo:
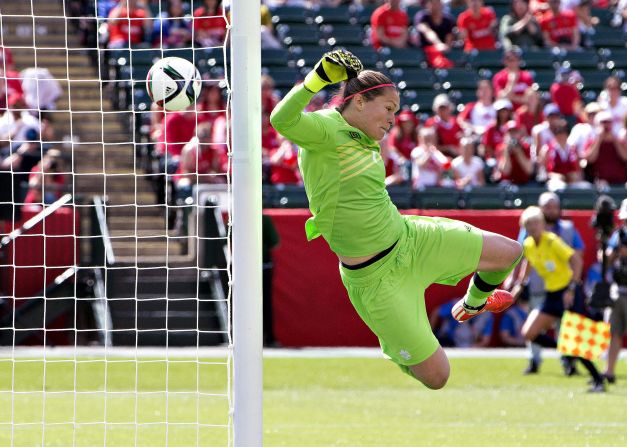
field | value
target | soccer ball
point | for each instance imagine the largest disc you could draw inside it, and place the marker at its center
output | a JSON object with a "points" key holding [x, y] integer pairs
{"points": [[173, 83]]}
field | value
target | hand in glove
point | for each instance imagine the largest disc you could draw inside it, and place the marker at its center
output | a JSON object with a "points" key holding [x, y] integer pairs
{"points": [[335, 66]]}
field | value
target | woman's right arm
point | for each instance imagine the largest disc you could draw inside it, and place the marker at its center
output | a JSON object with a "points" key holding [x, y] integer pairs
{"points": [[305, 129]]}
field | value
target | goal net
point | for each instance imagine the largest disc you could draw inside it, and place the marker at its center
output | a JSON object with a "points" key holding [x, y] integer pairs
{"points": [[116, 272]]}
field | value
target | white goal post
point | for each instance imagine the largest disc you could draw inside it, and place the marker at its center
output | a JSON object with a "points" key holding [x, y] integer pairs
{"points": [[247, 209]]}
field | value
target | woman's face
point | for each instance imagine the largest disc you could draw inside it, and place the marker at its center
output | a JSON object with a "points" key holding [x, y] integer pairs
{"points": [[613, 88], [484, 91], [534, 228], [379, 113], [520, 7]]}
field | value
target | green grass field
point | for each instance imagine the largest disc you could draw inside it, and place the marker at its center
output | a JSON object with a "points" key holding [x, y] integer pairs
{"points": [[308, 403]]}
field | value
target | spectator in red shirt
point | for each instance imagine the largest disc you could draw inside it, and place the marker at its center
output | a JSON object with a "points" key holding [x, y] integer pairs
{"points": [[210, 24], [478, 115], [512, 82], [565, 94], [10, 87], [6, 58], [177, 129], [560, 160], [403, 137], [129, 24], [514, 160], [560, 28], [448, 131], [46, 179], [389, 25], [530, 113], [606, 154], [495, 132], [477, 26], [435, 33], [284, 165]]}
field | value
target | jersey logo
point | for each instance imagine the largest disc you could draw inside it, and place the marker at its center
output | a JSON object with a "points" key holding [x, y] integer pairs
{"points": [[355, 135], [468, 228], [406, 355]]}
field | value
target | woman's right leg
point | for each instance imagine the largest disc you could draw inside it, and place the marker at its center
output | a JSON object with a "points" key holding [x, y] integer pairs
{"points": [[434, 371]]}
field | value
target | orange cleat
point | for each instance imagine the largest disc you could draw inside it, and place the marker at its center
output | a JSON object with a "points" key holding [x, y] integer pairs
{"points": [[499, 301]]}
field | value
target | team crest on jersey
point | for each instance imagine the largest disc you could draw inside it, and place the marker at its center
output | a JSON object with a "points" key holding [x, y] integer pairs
{"points": [[355, 135]]}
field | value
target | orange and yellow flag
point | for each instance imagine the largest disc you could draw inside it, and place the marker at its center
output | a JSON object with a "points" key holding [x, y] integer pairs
{"points": [[583, 337]]}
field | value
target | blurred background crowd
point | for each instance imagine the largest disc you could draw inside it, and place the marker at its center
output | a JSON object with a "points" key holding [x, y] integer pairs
{"points": [[508, 93]]}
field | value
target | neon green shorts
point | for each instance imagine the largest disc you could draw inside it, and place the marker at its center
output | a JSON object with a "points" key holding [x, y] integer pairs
{"points": [[389, 295]]}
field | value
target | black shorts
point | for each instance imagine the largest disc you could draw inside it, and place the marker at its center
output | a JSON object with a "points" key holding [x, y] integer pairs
{"points": [[554, 303]]}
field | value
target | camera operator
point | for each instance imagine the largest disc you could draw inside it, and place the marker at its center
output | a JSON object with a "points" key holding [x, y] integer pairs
{"points": [[617, 257]]}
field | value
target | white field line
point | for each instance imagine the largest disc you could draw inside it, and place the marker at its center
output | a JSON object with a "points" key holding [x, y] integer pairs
{"points": [[217, 352]]}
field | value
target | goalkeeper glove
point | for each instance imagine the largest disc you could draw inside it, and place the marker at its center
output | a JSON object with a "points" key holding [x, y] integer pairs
{"points": [[335, 66]]}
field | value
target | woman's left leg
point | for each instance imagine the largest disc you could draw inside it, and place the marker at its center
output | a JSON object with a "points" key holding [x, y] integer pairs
{"points": [[499, 256]]}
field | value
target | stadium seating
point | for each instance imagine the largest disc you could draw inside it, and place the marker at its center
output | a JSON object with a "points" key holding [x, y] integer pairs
{"points": [[290, 14], [457, 78], [343, 35], [336, 14], [401, 57], [437, 198], [487, 198]]}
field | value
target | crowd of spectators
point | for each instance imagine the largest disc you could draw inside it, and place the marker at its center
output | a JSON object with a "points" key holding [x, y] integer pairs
{"points": [[32, 171], [513, 133]]}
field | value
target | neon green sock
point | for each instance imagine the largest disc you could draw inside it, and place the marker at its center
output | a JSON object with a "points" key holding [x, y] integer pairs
{"points": [[483, 284]]}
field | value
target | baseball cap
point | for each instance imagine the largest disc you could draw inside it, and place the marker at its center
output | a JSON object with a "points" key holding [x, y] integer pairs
{"points": [[551, 109], [592, 107], [503, 104], [622, 212], [406, 115], [511, 125], [603, 116], [441, 100]]}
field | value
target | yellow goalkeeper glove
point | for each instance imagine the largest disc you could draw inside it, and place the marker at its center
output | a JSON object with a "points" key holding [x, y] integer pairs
{"points": [[335, 66]]}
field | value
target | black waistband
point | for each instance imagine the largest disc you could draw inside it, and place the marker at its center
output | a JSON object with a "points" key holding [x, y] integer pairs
{"points": [[372, 260]]}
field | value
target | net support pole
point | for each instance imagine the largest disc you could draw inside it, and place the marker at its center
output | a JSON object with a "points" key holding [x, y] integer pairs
{"points": [[247, 208]]}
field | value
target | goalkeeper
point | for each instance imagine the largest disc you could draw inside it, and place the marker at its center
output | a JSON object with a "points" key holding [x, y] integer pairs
{"points": [[386, 260]]}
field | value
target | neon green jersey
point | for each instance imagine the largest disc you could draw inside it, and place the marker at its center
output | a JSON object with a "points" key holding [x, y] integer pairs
{"points": [[344, 178]]}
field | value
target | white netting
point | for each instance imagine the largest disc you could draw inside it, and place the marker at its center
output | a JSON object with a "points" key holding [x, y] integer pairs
{"points": [[122, 275]]}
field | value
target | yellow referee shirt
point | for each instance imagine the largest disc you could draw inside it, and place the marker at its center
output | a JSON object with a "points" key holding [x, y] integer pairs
{"points": [[550, 259]]}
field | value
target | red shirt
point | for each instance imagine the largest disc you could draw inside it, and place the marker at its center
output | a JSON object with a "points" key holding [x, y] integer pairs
{"points": [[404, 144], [286, 171], [394, 23], [449, 132], [211, 159], [526, 119], [218, 22], [492, 139], [269, 138], [10, 86], [565, 96], [119, 29], [524, 81], [559, 27], [561, 160], [177, 129], [7, 56], [517, 175], [609, 166], [58, 180], [480, 33]]}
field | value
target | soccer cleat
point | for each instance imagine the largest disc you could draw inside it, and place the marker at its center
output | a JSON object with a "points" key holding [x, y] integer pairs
{"points": [[499, 301]]}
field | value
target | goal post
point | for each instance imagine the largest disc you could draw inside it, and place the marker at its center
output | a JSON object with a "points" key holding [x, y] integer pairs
{"points": [[247, 209]]}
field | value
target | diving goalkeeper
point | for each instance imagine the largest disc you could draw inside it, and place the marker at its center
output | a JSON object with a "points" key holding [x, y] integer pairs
{"points": [[386, 260]]}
